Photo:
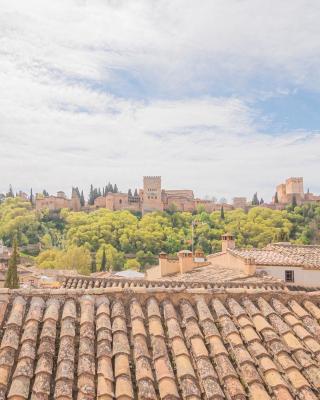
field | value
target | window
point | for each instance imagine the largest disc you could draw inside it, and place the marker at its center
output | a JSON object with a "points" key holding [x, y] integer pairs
{"points": [[289, 276]]}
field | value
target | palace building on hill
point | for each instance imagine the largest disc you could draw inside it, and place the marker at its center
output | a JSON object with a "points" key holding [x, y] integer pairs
{"points": [[152, 197], [293, 188], [58, 202]]}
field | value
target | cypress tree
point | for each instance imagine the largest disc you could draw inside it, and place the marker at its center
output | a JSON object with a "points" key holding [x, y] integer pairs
{"points": [[93, 263], [261, 201], [276, 200], [10, 193], [255, 200], [76, 189], [129, 193], [12, 280], [109, 188], [136, 193], [82, 202], [31, 196], [115, 189], [103, 261], [91, 198], [294, 201], [222, 213]]}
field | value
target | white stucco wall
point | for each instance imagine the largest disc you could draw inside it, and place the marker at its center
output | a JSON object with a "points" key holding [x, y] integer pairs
{"points": [[301, 276]]}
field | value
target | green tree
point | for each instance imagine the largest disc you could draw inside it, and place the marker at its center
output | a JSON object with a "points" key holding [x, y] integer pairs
{"points": [[103, 261], [222, 213], [276, 199], [50, 259], [115, 259], [12, 280], [132, 264], [77, 258]]}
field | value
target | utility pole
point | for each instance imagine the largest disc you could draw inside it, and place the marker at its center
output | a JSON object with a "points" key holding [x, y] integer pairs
{"points": [[193, 223]]}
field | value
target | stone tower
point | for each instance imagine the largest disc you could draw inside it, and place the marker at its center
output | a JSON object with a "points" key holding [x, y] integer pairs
{"points": [[75, 201], [151, 200], [295, 186]]}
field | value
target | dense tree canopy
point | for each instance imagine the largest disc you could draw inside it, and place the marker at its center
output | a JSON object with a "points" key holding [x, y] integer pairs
{"points": [[121, 235]]}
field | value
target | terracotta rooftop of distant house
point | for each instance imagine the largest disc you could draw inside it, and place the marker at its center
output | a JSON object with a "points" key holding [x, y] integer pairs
{"points": [[287, 254], [98, 344], [203, 278]]}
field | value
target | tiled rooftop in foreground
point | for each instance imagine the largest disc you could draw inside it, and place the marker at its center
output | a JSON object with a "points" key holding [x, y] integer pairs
{"points": [[154, 344]]}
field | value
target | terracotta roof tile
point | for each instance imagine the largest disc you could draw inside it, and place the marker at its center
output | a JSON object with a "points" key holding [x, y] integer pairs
{"points": [[123, 388], [17, 312], [173, 328], [119, 324], [192, 330], [168, 389], [138, 327], [179, 347], [163, 368], [260, 323], [203, 311], [249, 334], [153, 308], [155, 327], [297, 309], [313, 309], [136, 310], [257, 350]]}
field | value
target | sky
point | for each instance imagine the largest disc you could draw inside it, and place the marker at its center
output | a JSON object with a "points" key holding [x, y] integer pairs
{"points": [[222, 97]]}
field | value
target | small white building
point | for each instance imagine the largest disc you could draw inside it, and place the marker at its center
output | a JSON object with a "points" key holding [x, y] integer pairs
{"points": [[295, 264]]}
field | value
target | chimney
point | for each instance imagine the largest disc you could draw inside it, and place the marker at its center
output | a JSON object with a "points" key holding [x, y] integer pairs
{"points": [[228, 242], [163, 263], [185, 261]]}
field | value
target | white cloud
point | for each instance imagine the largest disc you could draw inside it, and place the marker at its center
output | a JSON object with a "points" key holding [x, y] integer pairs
{"points": [[61, 125]]}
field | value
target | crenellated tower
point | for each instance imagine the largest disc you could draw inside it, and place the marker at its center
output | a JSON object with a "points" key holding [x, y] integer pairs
{"points": [[151, 200]]}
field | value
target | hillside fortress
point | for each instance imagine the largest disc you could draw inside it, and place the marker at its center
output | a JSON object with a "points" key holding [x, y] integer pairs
{"points": [[152, 197]]}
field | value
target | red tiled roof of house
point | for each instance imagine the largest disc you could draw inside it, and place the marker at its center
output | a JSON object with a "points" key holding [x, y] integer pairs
{"points": [[76, 344], [203, 278], [307, 257]]}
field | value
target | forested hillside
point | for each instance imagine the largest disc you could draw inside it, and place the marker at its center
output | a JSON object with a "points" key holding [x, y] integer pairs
{"points": [[78, 240]]}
